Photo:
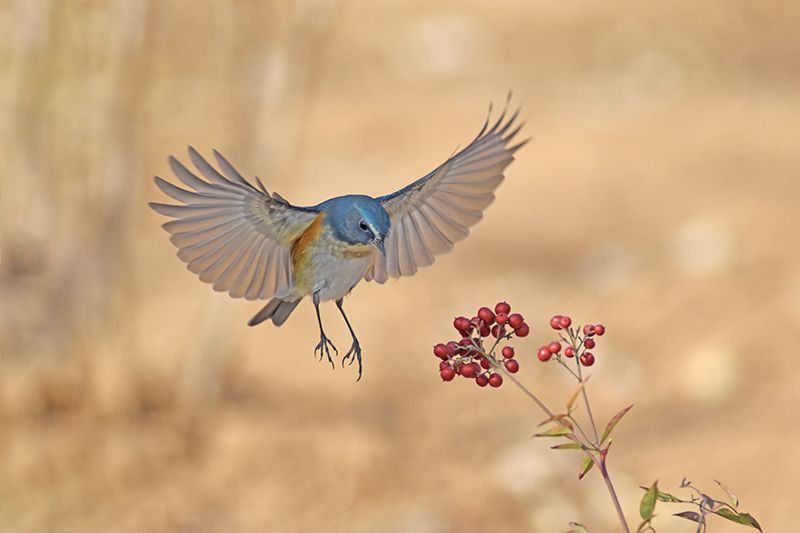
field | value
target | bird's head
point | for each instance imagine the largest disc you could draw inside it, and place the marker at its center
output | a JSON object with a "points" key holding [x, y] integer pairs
{"points": [[357, 219]]}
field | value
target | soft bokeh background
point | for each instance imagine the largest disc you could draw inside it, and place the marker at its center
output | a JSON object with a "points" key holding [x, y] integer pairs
{"points": [[660, 195]]}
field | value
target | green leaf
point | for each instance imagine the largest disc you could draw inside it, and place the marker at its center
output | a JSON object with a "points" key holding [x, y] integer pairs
{"points": [[664, 497], [574, 394], [740, 518], [648, 504], [689, 515], [569, 446], [577, 528], [613, 423], [731, 496], [586, 465], [558, 431]]}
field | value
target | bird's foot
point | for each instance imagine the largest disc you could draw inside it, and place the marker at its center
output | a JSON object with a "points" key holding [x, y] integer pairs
{"points": [[354, 354], [322, 348]]}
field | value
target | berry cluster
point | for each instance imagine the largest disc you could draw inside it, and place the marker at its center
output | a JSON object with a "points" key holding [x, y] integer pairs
{"points": [[577, 344], [468, 358]]}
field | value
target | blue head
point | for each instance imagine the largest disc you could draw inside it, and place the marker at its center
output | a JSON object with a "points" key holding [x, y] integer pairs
{"points": [[357, 219]]}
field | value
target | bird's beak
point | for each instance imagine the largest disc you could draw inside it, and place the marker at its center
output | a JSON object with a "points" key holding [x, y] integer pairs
{"points": [[379, 245]]}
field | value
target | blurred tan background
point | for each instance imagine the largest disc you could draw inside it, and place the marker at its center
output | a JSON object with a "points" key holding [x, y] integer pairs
{"points": [[659, 196]]}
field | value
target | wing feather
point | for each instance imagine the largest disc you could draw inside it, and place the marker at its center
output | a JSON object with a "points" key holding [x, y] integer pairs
{"points": [[242, 283], [259, 277], [231, 173], [217, 263], [416, 244], [430, 235], [233, 235], [236, 265], [436, 211]]}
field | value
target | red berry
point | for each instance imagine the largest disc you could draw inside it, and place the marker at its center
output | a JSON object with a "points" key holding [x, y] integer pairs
{"points": [[523, 330], [512, 366], [495, 380], [485, 314], [515, 320], [452, 346], [485, 330], [441, 351], [498, 332], [554, 347], [599, 329], [443, 365], [589, 343], [477, 367], [555, 322], [485, 363], [482, 380], [502, 307], [587, 359], [508, 352], [462, 324], [470, 370], [569, 351], [448, 374], [544, 354], [565, 321], [501, 318], [588, 330]]}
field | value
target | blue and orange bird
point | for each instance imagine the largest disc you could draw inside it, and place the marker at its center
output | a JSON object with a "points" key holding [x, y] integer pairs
{"points": [[256, 245]]}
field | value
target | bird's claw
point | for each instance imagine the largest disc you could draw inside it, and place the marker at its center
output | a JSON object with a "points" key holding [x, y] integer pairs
{"points": [[322, 348], [354, 354]]}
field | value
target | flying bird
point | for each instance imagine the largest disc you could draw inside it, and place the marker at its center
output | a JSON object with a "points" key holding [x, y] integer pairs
{"points": [[253, 244]]}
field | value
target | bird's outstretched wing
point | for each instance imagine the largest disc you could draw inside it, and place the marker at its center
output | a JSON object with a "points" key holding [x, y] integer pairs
{"points": [[435, 211], [230, 233]]}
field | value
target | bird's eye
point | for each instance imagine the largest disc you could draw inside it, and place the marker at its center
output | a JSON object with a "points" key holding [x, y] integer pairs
{"points": [[363, 225]]}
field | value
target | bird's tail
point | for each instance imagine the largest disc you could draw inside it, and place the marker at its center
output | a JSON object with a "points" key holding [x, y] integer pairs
{"points": [[276, 309]]}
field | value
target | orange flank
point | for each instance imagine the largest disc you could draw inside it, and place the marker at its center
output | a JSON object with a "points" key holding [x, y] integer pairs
{"points": [[300, 250]]}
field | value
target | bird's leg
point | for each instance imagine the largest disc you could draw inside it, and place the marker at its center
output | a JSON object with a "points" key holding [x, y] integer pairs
{"points": [[324, 341], [355, 349]]}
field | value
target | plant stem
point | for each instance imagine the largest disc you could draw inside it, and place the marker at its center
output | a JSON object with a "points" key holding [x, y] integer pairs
{"points": [[586, 401], [525, 390], [613, 493]]}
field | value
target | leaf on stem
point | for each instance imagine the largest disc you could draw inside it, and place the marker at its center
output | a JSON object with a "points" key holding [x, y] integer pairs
{"points": [[731, 496], [689, 515], [740, 518], [586, 465], [613, 423], [573, 396], [648, 504], [569, 446], [664, 497], [558, 431]]}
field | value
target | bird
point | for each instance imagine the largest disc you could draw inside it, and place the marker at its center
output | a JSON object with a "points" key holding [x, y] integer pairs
{"points": [[256, 245]]}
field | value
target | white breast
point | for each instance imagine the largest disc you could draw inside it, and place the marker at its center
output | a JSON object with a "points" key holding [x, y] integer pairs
{"points": [[336, 276]]}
